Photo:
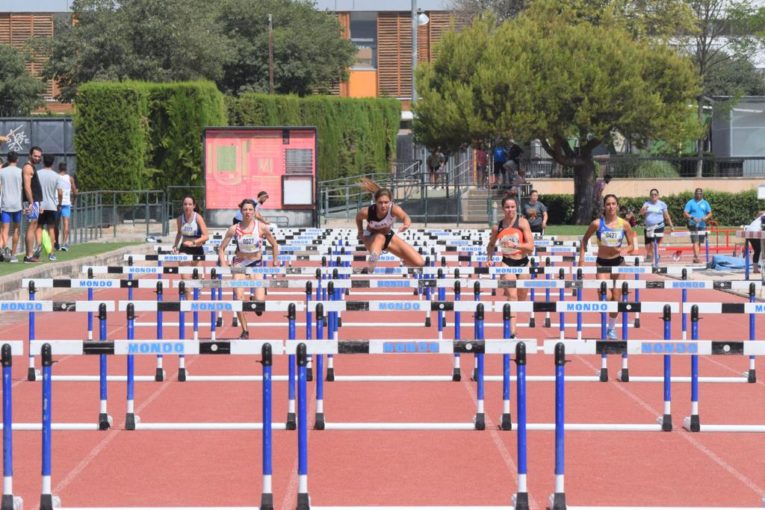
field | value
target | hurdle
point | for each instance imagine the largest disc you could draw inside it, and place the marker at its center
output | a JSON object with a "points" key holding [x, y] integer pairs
{"points": [[9, 349], [750, 235], [557, 500], [265, 348], [520, 498]]}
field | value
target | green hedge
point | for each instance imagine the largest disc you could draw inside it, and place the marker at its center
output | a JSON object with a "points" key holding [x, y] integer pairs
{"points": [[728, 209], [356, 136], [139, 135], [110, 136]]}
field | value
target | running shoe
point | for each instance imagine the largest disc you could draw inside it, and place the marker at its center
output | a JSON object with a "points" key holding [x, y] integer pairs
{"points": [[37, 252], [7, 253], [52, 257], [611, 334], [30, 260], [13, 260], [245, 335], [65, 247]]}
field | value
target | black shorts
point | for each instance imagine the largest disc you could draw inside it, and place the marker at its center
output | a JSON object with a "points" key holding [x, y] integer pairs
{"points": [[192, 250], [618, 261], [47, 218], [537, 229], [696, 238], [658, 230], [515, 262], [388, 238], [498, 168]]}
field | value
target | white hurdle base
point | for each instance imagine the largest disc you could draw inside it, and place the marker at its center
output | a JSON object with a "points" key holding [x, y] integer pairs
{"points": [[95, 378], [160, 507], [569, 507], [313, 507], [683, 379], [232, 378], [612, 427], [207, 426], [399, 426], [393, 378], [724, 428], [55, 426]]}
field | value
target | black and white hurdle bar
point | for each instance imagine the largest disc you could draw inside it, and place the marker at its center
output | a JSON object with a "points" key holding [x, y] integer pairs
{"points": [[33, 307], [136, 347]]}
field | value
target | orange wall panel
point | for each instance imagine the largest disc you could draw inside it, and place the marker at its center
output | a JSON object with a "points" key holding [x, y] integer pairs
{"points": [[362, 83]]}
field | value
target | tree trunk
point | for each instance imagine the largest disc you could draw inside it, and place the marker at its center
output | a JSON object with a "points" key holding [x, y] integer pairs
{"points": [[584, 184]]}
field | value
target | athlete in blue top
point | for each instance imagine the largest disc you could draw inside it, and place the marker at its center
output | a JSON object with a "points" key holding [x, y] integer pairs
{"points": [[698, 212], [613, 234]]}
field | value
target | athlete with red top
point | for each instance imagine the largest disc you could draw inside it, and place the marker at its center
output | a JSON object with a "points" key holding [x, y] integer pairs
{"points": [[516, 242]]}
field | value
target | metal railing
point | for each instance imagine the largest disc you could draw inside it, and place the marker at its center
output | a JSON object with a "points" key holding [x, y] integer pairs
{"points": [[131, 213], [655, 167]]}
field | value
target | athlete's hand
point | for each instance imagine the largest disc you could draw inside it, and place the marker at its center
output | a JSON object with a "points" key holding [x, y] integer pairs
{"points": [[403, 228]]}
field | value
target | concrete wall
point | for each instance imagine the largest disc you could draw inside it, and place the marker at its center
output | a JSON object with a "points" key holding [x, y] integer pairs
{"points": [[640, 187]]}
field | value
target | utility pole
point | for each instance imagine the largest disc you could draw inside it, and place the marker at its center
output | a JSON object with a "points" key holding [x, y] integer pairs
{"points": [[270, 54]]}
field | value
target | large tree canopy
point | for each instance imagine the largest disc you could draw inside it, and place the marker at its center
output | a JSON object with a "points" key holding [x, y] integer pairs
{"points": [[547, 75], [309, 53], [178, 40], [19, 90]]}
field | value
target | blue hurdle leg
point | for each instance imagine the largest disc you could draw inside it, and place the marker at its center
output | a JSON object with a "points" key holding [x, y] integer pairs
{"points": [[31, 374], [291, 419], [319, 420], [8, 501], [559, 497], [521, 499], [752, 374], [267, 497], [90, 316], [303, 500], [480, 421], [506, 422], [104, 420], [666, 420], [130, 413], [46, 498], [456, 375], [693, 423], [181, 334]]}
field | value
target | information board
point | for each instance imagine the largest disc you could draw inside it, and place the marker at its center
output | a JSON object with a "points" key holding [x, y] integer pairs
{"points": [[241, 162]]}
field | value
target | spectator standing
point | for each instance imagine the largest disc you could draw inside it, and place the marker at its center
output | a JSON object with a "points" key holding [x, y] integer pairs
{"points": [[597, 193], [755, 244], [67, 191], [512, 165], [435, 162], [49, 205], [499, 155], [536, 213], [698, 212], [10, 203], [32, 196], [261, 199], [657, 217]]}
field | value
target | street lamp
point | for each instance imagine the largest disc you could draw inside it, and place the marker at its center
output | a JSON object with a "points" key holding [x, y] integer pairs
{"points": [[419, 19]]}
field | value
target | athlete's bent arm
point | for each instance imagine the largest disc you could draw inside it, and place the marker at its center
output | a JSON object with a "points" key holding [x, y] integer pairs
{"points": [[586, 239], [399, 213], [223, 245]]}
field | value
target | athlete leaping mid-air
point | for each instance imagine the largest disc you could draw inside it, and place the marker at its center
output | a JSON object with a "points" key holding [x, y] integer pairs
{"points": [[379, 236]]}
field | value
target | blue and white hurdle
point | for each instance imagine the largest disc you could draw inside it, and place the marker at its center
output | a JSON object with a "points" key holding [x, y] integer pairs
{"points": [[265, 348], [694, 348]]}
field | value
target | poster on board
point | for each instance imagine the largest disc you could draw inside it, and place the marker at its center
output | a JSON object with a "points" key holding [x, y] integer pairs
{"points": [[240, 162]]}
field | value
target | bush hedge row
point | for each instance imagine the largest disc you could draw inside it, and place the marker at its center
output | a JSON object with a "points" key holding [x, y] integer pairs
{"points": [[139, 135], [356, 136], [728, 209]]}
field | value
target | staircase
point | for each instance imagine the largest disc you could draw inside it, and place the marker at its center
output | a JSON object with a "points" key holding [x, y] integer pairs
{"points": [[474, 208]]}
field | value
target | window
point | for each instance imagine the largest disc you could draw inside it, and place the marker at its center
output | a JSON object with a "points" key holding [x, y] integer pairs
{"points": [[364, 36]]}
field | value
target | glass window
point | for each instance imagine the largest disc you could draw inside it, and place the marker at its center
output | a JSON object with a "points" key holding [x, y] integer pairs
{"points": [[364, 36]]}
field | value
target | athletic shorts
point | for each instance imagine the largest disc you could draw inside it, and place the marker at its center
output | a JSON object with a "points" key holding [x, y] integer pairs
{"points": [[515, 262], [696, 238], [65, 211], [242, 262], [388, 237], [11, 217], [658, 229], [618, 261], [47, 218], [192, 250], [34, 215]]}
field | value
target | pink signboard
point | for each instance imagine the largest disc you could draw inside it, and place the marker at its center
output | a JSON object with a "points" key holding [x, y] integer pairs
{"points": [[241, 162]]}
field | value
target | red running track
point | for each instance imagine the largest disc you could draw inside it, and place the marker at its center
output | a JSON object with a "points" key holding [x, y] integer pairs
{"points": [[434, 468]]}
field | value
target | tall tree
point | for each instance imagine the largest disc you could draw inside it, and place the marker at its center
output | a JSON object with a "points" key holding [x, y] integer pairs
{"points": [[543, 76], [19, 90], [151, 40], [310, 54], [727, 32], [499, 9]]}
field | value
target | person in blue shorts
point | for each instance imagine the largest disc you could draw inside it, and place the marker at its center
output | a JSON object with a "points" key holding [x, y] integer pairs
{"points": [[10, 205], [698, 212], [67, 190]]}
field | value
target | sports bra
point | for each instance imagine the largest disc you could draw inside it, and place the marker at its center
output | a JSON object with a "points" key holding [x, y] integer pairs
{"points": [[611, 237], [248, 242], [190, 229], [513, 234], [385, 223]]}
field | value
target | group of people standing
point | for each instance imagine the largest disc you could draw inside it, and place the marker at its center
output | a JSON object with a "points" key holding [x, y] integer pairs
{"points": [[42, 196]]}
